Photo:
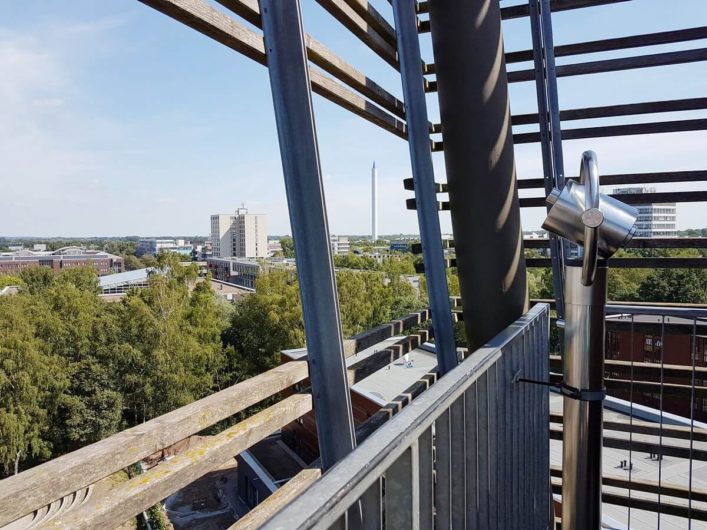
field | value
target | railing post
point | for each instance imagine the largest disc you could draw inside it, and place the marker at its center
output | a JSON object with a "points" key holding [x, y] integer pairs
{"points": [[423, 178], [292, 99]]}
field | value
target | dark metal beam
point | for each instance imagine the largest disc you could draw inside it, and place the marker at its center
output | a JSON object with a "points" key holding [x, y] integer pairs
{"points": [[424, 183], [292, 99], [479, 158], [629, 178]]}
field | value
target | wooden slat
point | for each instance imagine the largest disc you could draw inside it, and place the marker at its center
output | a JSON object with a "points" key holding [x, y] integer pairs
{"points": [[637, 263], [611, 111], [368, 338], [130, 498], [619, 130], [357, 25], [606, 65], [377, 21], [31, 490], [327, 61], [619, 43], [673, 389], [522, 10], [630, 178], [200, 16], [633, 198], [640, 242], [294, 487]]}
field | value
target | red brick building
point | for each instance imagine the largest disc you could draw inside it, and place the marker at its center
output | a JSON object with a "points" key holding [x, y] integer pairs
{"points": [[659, 356], [64, 258]]}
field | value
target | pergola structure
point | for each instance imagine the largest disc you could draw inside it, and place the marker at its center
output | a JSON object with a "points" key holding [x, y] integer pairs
{"points": [[469, 437]]}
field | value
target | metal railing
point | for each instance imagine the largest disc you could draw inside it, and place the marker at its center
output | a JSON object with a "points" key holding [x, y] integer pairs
{"points": [[655, 435], [470, 451]]}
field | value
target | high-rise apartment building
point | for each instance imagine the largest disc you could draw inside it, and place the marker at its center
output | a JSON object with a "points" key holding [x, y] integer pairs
{"points": [[654, 219], [240, 235]]}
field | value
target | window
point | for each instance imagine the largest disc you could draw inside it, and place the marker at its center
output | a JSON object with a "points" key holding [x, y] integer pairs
{"points": [[652, 346], [612, 345]]}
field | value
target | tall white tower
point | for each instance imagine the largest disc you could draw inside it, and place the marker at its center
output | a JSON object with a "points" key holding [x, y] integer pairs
{"points": [[374, 203]]}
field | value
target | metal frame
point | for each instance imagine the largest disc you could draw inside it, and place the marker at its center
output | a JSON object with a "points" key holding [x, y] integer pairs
{"points": [[292, 99], [511, 452], [424, 183]]}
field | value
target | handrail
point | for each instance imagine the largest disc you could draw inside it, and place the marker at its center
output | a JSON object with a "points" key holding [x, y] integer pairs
{"points": [[329, 498], [39, 486]]}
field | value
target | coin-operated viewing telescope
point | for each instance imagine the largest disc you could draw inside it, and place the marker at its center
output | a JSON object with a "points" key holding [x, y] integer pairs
{"points": [[601, 225]]}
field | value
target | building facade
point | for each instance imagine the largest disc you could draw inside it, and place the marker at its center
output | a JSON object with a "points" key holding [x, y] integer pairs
{"points": [[152, 246], [64, 258], [241, 272], [240, 235], [655, 219], [339, 245]]}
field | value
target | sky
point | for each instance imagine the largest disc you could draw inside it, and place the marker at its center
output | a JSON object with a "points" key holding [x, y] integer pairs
{"points": [[117, 120]]}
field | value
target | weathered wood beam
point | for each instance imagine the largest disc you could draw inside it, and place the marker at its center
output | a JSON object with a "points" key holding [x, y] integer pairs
{"points": [[637, 263], [327, 61], [630, 178], [259, 515], [130, 498], [200, 16], [37, 487], [383, 357], [368, 338], [356, 24], [640, 242]]}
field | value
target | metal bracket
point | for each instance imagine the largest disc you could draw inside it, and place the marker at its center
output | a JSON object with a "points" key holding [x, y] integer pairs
{"points": [[579, 394]]}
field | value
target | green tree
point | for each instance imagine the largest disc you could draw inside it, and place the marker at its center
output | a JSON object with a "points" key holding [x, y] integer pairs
{"points": [[30, 384], [131, 263], [37, 278], [687, 286], [10, 279], [288, 246]]}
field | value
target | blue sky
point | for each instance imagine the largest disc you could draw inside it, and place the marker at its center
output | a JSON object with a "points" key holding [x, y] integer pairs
{"points": [[116, 120]]}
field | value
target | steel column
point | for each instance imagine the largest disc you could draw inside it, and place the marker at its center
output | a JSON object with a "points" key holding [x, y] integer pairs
{"points": [[550, 130], [478, 152], [423, 177], [582, 419], [292, 99]]}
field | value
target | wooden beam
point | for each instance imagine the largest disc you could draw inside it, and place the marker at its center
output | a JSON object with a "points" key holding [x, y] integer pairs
{"points": [[294, 487], [368, 338], [130, 498], [327, 61], [200, 16], [379, 24], [630, 178], [640, 242], [637, 263], [356, 24], [30, 490], [634, 198]]}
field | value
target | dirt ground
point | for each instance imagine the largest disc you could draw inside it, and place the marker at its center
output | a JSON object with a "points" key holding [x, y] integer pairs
{"points": [[210, 503]]}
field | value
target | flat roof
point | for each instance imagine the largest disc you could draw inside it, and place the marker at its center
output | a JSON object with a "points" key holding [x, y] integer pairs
{"points": [[671, 471], [111, 280]]}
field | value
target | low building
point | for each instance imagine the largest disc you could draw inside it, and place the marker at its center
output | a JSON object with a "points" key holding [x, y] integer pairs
{"points": [[339, 245], [64, 258], [121, 283], [153, 246], [236, 271], [368, 395], [274, 247]]}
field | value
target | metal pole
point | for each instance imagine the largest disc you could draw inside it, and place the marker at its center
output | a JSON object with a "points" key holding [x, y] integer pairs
{"points": [[478, 152], [292, 99], [548, 135], [424, 181], [582, 412]]}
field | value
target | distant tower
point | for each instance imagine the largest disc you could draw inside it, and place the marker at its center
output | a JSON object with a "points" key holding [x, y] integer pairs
{"points": [[374, 203]]}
